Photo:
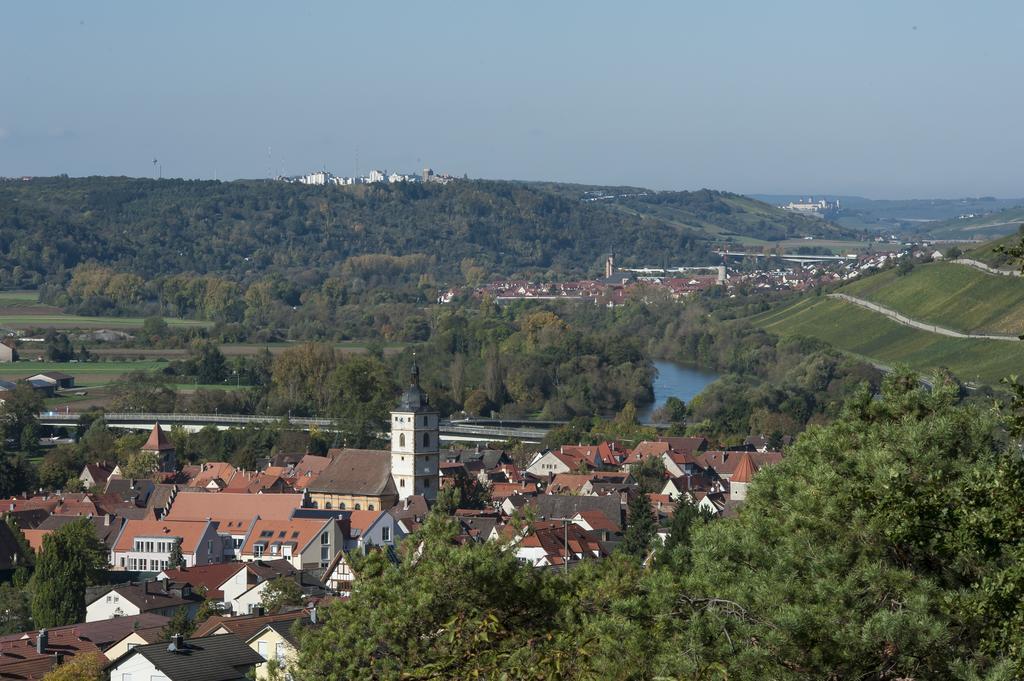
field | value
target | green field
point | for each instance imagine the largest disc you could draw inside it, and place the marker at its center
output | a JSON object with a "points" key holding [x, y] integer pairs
{"points": [[987, 254], [874, 337], [986, 226], [22, 310], [18, 299], [954, 296], [87, 374], [59, 320]]}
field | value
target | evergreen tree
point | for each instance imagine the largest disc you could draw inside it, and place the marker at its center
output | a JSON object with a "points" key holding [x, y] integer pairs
{"points": [[176, 560], [72, 558], [641, 528], [180, 623]]}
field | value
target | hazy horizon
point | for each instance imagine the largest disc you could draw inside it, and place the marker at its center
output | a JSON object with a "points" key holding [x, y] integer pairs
{"points": [[873, 100]]}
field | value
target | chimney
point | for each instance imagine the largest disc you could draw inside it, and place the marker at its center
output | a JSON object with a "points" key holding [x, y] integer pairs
{"points": [[58, 659], [42, 641], [177, 644], [312, 615], [166, 583]]}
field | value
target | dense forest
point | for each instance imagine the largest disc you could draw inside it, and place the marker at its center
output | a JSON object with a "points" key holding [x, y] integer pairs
{"points": [[247, 230]]}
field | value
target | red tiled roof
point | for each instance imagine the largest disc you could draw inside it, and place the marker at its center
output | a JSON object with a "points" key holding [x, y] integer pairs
{"points": [[210, 576], [224, 506], [298, 532], [745, 469], [190, 531], [157, 441], [725, 463]]}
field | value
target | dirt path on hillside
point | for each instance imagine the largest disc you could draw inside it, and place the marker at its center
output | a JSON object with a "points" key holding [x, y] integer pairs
{"points": [[907, 321]]}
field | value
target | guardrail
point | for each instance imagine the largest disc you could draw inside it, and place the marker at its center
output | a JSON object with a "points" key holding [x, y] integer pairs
{"points": [[445, 425]]}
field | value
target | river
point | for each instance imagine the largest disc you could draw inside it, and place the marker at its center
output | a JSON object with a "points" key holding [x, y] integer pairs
{"points": [[675, 380]]}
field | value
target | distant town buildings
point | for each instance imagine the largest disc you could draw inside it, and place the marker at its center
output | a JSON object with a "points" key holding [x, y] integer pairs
{"points": [[321, 178], [819, 208]]}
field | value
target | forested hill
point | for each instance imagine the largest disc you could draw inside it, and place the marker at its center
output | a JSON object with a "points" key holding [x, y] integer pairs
{"points": [[243, 230]]}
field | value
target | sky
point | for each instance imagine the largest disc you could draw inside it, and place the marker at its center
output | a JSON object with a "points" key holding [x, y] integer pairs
{"points": [[893, 99]]}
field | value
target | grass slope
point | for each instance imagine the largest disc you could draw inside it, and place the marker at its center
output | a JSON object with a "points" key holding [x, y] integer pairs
{"points": [[954, 296], [878, 339], [994, 224], [987, 254]]}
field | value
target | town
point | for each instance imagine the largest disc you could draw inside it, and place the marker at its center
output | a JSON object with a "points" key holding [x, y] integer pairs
{"points": [[234, 558], [758, 272]]}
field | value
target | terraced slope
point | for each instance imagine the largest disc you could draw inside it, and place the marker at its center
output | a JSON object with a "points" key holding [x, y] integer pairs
{"points": [[878, 339], [951, 295]]}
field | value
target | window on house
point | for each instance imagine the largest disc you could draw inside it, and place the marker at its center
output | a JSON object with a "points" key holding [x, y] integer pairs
{"points": [[109, 598], [325, 538], [401, 483], [342, 506], [328, 506], [263, 648], [325, 554], [358, 507], [426, 483], [401, 440], [257, 550], [385, 533], [426, 439], [279, 652]]}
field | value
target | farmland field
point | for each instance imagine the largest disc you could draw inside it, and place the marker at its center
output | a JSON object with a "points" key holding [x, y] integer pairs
{"points": [[87, 374], [955, 296], [22, 310], [874, 337]]}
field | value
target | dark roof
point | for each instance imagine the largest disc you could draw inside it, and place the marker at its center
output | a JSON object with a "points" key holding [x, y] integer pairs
{"points": [[212, 658], [152, 596], [56, 375], [30, 518], [566, 506], [99, 471], [285, 629], [244, 626], [102, 633], [358, 472], [106, 527], [414, 399], [269, 569], [129, 489]]}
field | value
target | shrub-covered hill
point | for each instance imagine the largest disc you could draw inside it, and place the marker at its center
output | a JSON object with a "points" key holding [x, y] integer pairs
{"points": [[242, 230]]}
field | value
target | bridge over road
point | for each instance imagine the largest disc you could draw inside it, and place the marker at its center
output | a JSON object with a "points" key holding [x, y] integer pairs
{"points": [[451, 431]]}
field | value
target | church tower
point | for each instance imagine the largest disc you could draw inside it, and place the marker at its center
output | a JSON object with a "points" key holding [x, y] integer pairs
{"points": [[414, 443], [161, 447]]}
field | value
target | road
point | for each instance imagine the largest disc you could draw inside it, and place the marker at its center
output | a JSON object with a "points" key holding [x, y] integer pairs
{"points": [[450, 430], [985, 268], [907, 321]]}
